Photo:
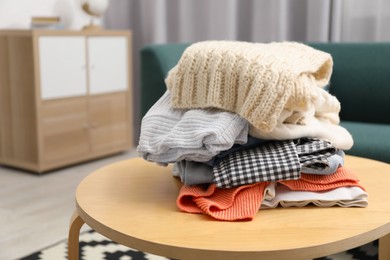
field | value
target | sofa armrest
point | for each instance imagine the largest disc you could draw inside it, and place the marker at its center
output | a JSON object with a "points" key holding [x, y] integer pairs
{"points": [[156, 61]]}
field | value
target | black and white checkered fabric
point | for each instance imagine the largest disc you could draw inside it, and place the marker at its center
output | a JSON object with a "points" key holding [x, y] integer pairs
{"points": [[269, 162], [273, 161], [314, 153]]}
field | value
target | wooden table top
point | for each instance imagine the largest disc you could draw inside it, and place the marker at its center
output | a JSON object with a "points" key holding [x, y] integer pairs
{"points": [[133, 202]]}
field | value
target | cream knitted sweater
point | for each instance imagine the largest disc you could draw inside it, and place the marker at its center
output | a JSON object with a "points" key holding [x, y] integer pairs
{"points": [[257, 81]]}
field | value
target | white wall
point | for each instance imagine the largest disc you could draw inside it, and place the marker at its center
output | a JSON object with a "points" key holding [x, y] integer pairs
{"points": [[16, 14]]}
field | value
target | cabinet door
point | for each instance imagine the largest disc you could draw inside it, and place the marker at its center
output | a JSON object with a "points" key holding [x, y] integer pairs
{"points": [[62, 65], [65, 130], [109, 121], [108, 64]]}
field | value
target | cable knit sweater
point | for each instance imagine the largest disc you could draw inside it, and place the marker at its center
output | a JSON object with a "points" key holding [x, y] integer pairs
{"points": [[255, 80]]}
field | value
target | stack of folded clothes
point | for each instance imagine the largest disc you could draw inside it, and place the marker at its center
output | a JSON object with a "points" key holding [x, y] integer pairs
{"points": [[250, 126]]}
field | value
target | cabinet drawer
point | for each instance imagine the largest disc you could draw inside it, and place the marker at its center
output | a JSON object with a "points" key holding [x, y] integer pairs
{"points": [[109, 117], [65, 129]]}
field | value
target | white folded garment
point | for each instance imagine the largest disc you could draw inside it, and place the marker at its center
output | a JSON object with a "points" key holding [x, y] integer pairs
{"points": [[320, 121], [278, 194], [319, 128]]}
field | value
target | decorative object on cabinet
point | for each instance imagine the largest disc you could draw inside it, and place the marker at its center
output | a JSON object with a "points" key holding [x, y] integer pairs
{"points": [[46, 22], [94, 8], [64, 97]]}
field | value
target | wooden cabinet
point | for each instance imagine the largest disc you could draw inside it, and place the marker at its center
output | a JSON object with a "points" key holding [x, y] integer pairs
{"points": [[64, 97]]}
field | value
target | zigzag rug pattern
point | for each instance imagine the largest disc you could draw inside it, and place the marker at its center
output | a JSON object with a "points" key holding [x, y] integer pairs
{"points": [[94, 246]]}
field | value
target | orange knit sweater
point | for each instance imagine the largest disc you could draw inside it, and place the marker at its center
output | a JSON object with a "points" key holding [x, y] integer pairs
{"points": [[238, 203], [343, 177], [243, 202]]}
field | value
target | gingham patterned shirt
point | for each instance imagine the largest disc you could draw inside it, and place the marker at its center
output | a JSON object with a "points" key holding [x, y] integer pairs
{"points": [[314, 153], [273, 161]]}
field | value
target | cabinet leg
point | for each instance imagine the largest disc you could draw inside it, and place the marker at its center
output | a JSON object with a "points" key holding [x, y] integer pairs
{"points": [[73, 237], [384, 247]]}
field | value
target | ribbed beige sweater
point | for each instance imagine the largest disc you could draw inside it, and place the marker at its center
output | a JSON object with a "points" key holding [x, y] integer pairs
{"points": [[254, 80]]}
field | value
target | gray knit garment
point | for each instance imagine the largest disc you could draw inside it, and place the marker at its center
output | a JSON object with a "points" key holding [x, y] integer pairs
{"points": [[170, 135]]}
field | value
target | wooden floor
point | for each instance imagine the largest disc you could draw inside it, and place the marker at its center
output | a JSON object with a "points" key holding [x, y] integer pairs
{"points": [[35, 209]]}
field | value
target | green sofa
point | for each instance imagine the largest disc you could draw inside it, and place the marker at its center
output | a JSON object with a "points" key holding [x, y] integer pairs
{"points": [[360, 80]]}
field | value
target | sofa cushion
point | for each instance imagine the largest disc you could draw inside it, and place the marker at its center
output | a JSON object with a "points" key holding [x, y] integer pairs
{"points": [[370, 140]]}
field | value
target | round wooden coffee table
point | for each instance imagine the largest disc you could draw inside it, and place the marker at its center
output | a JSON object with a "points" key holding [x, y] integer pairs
{"points": [[133, 202]]}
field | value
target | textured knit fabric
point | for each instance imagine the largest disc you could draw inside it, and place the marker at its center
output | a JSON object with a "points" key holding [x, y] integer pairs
{"points": [[169, 135], [242, 202], [343, 177], [255, 80], [239, 203]]}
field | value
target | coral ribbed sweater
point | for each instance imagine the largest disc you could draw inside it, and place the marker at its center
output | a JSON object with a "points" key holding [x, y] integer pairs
{"points": [[239, 203], [243, 202]]}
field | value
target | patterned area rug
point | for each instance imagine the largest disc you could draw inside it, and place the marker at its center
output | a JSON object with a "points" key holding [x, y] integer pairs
{"points": [[94, 246]]}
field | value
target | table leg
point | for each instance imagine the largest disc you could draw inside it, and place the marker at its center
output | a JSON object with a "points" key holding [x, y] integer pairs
{"points": [[73, 237], [384, 247]]}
